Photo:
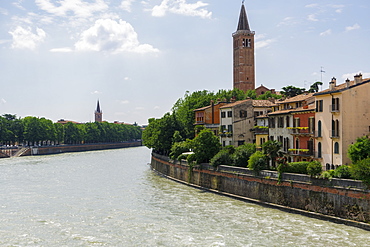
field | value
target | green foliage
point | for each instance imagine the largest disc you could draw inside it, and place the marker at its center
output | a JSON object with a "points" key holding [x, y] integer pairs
{"points": [[257, 162], [268, 95], [297, 167], [272, 150], [342, 171], [361, 170], [243, 153], [291, 91], [223, 157], [314, 88], [327, 174], [178, 148], [205, 146], [314, 168], [191, 158], [360, 149], [160, 133]]}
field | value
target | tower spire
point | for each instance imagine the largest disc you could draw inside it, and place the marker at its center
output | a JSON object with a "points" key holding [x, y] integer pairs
{"points": [[243, 20], [98, 113]]}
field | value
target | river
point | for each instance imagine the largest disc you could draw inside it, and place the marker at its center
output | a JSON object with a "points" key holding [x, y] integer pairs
{"points": [[112, 198]]}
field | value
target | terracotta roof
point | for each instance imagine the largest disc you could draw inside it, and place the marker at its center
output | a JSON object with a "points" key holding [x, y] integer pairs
{"points": [[263, 103], [203, 108], [342, 87], [235, 103], [297, 98], [310, 107]]}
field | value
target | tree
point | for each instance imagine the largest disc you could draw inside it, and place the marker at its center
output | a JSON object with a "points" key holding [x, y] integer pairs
{"points": [[360, 149], [159, 133], [243, 153], [257, 162], [291, 91], [314, 88], [205, 146], [314, 168], [361, 170], [272, 150], [223, 157]]}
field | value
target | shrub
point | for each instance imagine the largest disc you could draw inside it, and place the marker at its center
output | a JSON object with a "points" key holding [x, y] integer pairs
{"points": [[327, 174], [243, 153], [222, 158], [190, 159], [297, 167], [257, 162], [342, 172], [361, 170], [314, 168], [178, 148]]}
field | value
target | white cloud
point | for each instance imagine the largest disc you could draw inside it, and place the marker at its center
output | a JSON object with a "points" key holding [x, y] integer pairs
{"points": [[157, 107], [79, 8], [63, 49], [312, 17], [123, 102], [96, 92], [181, 7], [112, 36], [354, 27], [314, 5], [3, 11], [351, 75], [126, 5], [126, 78], [263, 43], [325, 33], [287, 21], [26, 39], [2, 101], [139, 108]]}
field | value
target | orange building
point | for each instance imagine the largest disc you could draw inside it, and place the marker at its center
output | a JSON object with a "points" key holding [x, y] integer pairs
{"points": [[209, 116]]}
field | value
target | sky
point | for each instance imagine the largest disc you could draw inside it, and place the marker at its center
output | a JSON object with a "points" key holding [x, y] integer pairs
{"points": [[138, 57]]}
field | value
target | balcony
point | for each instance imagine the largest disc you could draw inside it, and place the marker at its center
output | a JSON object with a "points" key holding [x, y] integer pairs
{"points": [[334, 134], [334, 108], [301, 152], [304, 131], [260, 130]]}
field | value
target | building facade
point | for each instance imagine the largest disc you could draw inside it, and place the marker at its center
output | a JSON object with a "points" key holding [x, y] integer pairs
{"points": [[209, 116], [342, 115]]}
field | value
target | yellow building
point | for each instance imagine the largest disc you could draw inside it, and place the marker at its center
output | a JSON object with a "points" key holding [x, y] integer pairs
{"points": [[342, 115]]}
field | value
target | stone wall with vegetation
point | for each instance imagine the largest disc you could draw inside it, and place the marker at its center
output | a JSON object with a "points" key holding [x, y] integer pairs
{"points": [[343, 198]]}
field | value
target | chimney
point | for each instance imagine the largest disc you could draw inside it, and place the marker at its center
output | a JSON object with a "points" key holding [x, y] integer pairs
{"points": [[348, 82], [333, 83], [358, 79]]}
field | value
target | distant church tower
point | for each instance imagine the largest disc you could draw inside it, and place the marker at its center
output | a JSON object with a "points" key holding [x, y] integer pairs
{"points": [[243, 57], [98, 114]]}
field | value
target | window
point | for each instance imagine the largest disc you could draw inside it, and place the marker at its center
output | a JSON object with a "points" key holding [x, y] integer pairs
{"points": [[335, 105], [223, 127], [223, 114], [243, 113], [311, 124], [241, 143], [229, 128], [287, 121], [319, 106], [319, 154], [229, 114], [335, 128], [271, 138], [272, 122], [319, 128], [336, 148], [280, 122]]}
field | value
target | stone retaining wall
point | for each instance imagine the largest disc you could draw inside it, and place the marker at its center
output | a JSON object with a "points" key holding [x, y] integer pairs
{"points": [[336, 198]]}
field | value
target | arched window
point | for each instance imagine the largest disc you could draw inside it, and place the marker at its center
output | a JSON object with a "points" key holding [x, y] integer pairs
{"points": [[319, 128], [319, 154], [336, 148]]}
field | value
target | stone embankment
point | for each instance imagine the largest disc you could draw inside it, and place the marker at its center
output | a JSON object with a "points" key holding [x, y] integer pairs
{"points": [[56, 149], [339, 200]]}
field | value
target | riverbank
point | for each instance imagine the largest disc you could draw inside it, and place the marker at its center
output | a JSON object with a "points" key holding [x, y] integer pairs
{"points": [[338, 200], [56, 149]]}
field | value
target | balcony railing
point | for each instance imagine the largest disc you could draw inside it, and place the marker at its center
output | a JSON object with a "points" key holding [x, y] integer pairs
{"points": [[334, 108], [334, 134], [300, 131], [301, 152], [260, 131]]}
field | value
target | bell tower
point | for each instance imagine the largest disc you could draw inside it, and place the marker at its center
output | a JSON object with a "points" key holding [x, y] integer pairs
{"points": [[243, 54], [98, 114]]}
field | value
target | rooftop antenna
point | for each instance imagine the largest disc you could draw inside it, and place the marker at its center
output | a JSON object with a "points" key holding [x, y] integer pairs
{"points": [[321, 71]]}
